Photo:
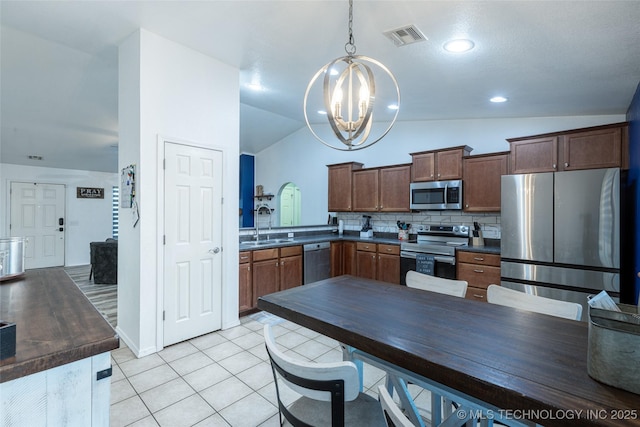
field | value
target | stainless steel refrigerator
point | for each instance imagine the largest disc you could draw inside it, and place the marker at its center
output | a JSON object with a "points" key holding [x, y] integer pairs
{"points": [[561, 234]]}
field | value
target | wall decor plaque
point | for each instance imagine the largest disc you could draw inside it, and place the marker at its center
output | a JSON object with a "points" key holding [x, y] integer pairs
{"points": [[89, 193]]}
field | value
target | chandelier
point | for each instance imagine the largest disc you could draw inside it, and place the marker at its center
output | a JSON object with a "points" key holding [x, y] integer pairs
{"points": [[348, 97]]}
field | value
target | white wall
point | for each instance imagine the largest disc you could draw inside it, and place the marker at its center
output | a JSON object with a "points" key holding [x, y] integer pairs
{"points": [[302, 159], [86, 220], [167, 90]]}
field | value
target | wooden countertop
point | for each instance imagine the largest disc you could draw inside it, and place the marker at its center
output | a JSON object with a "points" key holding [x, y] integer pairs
{"points": [[55, 323], [512, 359]]}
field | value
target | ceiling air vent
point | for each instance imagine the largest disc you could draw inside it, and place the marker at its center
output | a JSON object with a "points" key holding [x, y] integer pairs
{"points": [[405, 35]]}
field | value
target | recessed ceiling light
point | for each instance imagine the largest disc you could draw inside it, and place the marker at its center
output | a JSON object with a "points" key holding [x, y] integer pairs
{"points": [[393, 106], [322, 112], [498, 99], [459, 45], [256, 87]]}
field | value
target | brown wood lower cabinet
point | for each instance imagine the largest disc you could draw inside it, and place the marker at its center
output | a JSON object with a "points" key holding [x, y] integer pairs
{"points": [[245, 285], [268, 271], [343, 258], [290, 267], [378, 261], [389, 263], [480, 270]]}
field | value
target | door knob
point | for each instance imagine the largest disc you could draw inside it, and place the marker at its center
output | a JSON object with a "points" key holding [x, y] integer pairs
{"points": [[214, 250]]}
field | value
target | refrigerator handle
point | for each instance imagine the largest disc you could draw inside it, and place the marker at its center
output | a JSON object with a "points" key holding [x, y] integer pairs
{"points": [[446, 189]]}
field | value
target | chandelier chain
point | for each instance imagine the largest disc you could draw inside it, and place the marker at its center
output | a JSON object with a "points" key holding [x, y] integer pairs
{"points": [[350, 46]]}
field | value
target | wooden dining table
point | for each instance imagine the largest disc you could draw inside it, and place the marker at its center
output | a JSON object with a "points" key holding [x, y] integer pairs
{"points": [[520, 365]]}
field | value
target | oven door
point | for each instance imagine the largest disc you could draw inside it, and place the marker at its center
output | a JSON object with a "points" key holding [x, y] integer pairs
{"points": [[445, 266]]}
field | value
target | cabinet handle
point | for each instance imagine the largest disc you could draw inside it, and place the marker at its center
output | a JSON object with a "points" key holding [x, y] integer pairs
{"points": [[478, 271], [466, 206], [478, 296], [566, 165], [373, 256], [554, 165], [438, 175], [478, 258]]}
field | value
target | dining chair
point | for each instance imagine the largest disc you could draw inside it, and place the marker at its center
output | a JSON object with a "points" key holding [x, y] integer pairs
{"points": [[510, 297], [330, 392], [393, 415], [456, 288]]}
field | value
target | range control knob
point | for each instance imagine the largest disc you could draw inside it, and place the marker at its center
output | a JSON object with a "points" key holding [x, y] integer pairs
{"points": [[455, 229], [464, 229]]}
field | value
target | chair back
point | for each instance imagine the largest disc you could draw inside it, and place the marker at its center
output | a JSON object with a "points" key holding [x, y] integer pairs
{"points": [[456, 288], [512, 298], [393, 416], [306, 378]]}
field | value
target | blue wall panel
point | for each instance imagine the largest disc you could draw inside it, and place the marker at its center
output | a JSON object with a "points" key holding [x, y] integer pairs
{"points": [[247, 179], [630, 281]]}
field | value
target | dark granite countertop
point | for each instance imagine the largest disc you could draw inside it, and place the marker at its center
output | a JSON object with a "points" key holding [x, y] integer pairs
{"points": [[55, 323], [491, 245]]}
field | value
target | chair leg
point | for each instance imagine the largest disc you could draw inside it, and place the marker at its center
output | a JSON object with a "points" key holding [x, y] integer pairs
{"points": [[406, 402], [91, 272]]}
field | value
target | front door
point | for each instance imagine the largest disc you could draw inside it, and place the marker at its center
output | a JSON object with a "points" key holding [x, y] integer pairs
{"points": [[193, 236], [37, 213]]}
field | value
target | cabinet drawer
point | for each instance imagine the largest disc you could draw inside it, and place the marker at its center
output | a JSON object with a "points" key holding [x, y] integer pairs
{"points": [[245, 256], [290, 251], [367, 247], [477, 294], [263, 254], [479, 276], [479, 258], [389, 249]]}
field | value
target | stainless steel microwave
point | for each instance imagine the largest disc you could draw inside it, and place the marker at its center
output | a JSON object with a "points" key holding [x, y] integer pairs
{"points": [[436, 195]]}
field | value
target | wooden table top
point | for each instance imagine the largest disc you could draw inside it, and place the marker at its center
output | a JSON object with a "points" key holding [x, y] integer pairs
{"points": [[55, 323], [509, 358]]}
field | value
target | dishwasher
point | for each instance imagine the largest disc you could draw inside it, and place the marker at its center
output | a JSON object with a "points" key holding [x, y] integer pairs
{"points": [[317, 262]]}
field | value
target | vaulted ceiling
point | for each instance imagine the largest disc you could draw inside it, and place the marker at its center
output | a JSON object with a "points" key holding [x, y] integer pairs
{"points": [[59, 71]]}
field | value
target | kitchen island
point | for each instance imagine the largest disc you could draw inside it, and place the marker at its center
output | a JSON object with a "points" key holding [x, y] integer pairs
{"points": [[60, 374]]}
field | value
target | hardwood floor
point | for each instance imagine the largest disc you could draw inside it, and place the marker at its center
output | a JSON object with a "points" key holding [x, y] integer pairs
{"points": [[103, 297]]}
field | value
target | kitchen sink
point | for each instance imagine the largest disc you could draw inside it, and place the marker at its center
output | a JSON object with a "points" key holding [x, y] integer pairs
{"points": [[265, 242]]}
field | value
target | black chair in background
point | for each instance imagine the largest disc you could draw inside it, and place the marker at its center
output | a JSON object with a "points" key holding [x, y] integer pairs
{"points": [[104, 262]]}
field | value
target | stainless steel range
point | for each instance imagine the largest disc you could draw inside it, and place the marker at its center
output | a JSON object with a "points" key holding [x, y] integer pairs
{"points": [[440, 241]]}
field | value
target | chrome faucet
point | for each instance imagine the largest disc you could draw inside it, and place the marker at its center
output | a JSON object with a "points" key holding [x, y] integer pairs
{"points": [[259, 210]]}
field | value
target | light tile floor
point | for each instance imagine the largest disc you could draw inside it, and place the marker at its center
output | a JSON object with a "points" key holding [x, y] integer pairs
{"points": [[220, 379]]}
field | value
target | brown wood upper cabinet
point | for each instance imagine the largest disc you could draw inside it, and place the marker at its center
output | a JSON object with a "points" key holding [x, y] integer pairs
{"points": [[383, 189], [340, 185], [438, 165], [482, 180], [588, 148]]}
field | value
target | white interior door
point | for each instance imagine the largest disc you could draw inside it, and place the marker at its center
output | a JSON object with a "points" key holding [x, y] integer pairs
{"points": [[193, 236], [37, 213]]}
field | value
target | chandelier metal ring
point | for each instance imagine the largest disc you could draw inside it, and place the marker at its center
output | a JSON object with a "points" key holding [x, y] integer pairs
{"points": [[353, 133], [356, 132]]}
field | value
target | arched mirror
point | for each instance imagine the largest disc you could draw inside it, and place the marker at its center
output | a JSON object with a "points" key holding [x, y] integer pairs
{"points": [[290, 202]]}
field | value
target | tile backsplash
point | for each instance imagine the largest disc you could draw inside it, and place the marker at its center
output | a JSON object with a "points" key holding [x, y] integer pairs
{"points": [[387, 222]]}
